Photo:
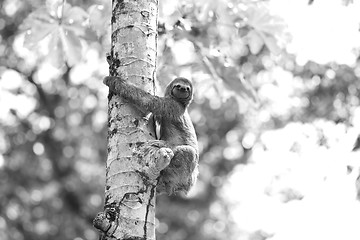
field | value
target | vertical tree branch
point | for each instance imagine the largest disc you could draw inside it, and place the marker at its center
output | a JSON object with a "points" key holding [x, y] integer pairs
{"points": [[129, 211]]}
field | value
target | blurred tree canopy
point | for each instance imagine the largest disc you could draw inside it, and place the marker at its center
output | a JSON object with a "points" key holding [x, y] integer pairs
{"points": [[279, 140]]}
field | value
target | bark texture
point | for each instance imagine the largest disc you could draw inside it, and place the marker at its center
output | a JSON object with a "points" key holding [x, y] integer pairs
{"points": [[131, 168]]}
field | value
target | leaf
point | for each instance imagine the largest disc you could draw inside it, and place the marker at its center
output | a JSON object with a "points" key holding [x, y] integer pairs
{"points": [[38, 33], [38, 25], [232, 80], [75, 19], [63, 24], [254, 41], [41, 15], [54, 8], [260, 19], [71, 46], [99, 18], [75, 16], [56, 55], [269, 28], [271, 43]]}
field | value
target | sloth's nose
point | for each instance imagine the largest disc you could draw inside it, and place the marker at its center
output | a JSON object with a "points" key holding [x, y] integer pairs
{"points": [[184, 89]]}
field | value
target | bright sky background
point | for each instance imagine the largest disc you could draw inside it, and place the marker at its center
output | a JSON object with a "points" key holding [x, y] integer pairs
{"points": [[324, 31]]}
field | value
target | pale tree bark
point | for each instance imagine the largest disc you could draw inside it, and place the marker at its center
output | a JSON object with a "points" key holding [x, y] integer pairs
{"points": [[131, 172]]}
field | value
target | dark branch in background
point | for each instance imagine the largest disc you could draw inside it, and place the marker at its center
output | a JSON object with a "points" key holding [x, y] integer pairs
{"points": [[66, 75], [357, 144], [42, 95], [48, 101]]}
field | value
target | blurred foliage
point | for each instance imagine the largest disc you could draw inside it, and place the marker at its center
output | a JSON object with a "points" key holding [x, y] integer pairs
{"points": [[279, 141]]}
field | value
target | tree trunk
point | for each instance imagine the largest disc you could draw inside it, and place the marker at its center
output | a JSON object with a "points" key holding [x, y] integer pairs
{"points": [[129, 211]]}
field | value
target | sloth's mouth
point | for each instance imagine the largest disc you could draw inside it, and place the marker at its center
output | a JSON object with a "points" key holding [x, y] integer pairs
{"points": [[181, 93]]}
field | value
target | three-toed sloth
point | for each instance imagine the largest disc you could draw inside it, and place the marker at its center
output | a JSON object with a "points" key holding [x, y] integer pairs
{"points": [[172, 126]]}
